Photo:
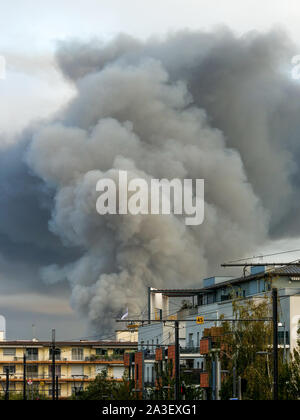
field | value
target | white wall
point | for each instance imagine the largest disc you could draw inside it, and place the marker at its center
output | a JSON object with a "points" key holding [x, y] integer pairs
{"points": [[294, 320], [2, 328], [159, 301]]}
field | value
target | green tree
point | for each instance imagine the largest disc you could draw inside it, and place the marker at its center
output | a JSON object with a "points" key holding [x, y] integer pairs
{"points": [[292, 374], [103, 388], [247, 347]]}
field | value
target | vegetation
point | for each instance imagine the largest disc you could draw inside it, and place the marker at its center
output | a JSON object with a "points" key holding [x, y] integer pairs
{"points": [[104, 388], [246, 347]]}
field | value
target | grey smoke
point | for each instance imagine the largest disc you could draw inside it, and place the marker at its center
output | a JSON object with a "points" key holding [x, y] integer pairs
{"points": [[192, 105]]}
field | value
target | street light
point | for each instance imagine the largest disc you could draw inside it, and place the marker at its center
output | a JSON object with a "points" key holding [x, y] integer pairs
{"points": [[282, 324]]}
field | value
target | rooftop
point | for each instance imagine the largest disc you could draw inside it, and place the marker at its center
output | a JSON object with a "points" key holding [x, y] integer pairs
{"points": [[37, 343], [281, 271]]}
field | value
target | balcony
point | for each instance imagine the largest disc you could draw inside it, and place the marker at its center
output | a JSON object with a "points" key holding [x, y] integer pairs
{"points": [[105, 358], [149, 356], [190, 350], [149, 384]]}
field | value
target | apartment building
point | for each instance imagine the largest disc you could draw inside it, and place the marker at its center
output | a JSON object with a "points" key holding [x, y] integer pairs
{"points": [[212, 301], [77, 364]]}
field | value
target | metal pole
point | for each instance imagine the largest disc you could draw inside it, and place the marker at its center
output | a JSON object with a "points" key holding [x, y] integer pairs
{"points": [[7, 384], [284, 342], [53, 365], [218, 377], [177, 362], [234, 381], [24, 377], [149, 305], [275, 343], [240, 388]]}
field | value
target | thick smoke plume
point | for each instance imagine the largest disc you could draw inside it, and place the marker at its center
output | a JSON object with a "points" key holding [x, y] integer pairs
{"points": [[193, 105]]}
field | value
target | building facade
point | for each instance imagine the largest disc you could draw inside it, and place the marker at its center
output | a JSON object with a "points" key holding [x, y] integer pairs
{"points": [[214, 301], [77, 365]]}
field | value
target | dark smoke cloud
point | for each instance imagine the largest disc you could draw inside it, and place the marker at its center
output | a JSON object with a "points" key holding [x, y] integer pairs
{"points": [[193, 105]]}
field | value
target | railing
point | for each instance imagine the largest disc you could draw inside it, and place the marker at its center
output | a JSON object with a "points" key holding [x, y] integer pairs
{"points": [[13, 359], [32, 358], [104, 358], [149, 356], [281, 337], [149, 384], [189, 349]]}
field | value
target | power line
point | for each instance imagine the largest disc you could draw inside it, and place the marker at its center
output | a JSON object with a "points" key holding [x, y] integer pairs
{"points": [[266, 255]]}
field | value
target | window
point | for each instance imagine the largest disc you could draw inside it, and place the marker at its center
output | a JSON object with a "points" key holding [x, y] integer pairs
{"points": [[191, 342], [58, 391], [118, 372], [200, 300], [57, 354], [57, 371], [77, 370], [11, 369], [9, 352], [281, 337], [32, 354], [101, 352], [32, 371], [119, 351], [190, 363], [99, 369], [12, 386], [77, 354], [198, 339], [76, 389]]}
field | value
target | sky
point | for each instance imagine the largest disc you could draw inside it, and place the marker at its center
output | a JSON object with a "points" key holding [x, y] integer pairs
{"points": [[34, 89]]}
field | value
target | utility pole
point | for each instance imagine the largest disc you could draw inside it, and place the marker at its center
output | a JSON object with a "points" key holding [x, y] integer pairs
{"points": [[7, 384], [218, 377], [177, 348], [149, 305], [177, 362], [275, 343], [240, 388], [53, 365], [57, 390], [24, 376], [234, 380]]}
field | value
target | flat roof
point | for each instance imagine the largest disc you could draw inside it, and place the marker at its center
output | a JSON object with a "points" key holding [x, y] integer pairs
{"points": [[282, 271], [68, 343], [177, 292]]}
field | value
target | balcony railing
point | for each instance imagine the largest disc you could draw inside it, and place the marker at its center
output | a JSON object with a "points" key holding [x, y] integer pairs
{"points": [[46, 360], [149, 384], [189, 350], [149, 356], [105, 358]]}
